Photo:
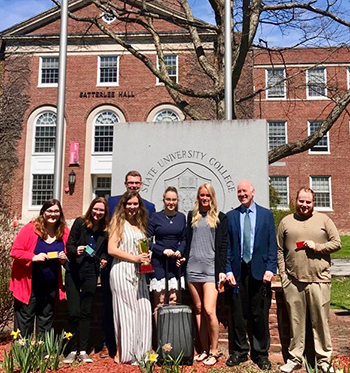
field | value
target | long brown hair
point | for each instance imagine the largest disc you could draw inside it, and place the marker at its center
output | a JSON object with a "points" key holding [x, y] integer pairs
{"points": [[103, 222], [213, 213], [119, 216], [40, 226]]}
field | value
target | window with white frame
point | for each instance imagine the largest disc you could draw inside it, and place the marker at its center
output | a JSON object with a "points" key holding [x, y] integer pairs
{"points": [[108, 17], [323, 145], [166, 115], [103, 133], [49, 71], [103, 186], [108, 70], [321, 185], [277, 133], [45, 133], [280, 184], [275, 83], [42, 189], [316, 82], [171, 63]]}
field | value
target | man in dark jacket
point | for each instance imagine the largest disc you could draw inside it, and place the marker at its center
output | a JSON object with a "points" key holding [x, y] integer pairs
{"points": [[251, 264]]}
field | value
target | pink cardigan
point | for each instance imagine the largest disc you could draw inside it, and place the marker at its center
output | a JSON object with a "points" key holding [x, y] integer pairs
{"points": [[21, 271]]}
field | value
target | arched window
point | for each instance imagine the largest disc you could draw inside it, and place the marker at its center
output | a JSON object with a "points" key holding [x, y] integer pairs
{"points": [[103, 136], [45, 133], [166, 115]]}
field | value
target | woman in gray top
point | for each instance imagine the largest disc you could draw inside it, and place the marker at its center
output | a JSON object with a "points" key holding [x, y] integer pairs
{"points": [[206, 248]]}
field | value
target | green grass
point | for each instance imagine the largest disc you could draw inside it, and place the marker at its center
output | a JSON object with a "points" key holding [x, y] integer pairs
{"points": [[344, 253], [340, 294]]}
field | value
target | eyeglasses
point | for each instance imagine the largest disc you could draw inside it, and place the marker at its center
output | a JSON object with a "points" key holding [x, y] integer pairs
{"points": [[53, 212], [98, 210]]}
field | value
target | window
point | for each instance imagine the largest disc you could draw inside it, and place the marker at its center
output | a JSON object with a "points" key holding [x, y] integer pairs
{"points": [[49, 71], [321, 185], [316, 83], [348, 75], [166, 115], [171, 62], [108, 70], [103, 186], [108, 18], [277, 133], [275, 80], [45, 133], [280, 184], [104, 124], [323, 145], [42, 189]]}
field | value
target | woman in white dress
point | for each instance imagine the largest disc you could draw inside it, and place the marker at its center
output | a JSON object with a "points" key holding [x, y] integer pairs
{"points": [[131, 304]]}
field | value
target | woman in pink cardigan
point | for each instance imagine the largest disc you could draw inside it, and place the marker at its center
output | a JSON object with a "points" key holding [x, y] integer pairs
{"points": [[38, 252]]}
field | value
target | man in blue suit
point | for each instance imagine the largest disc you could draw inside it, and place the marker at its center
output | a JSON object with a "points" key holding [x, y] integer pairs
{"points": [[133, 181], [251, 264]]}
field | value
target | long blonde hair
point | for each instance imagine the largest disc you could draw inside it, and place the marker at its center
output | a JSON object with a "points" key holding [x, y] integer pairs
{"points": [[212, 214], [118, 220]]}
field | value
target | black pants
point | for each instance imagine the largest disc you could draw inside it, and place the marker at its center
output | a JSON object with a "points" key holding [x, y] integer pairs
{"points": [[250, 315], [40, 307], [107, 321], [81, 288]]}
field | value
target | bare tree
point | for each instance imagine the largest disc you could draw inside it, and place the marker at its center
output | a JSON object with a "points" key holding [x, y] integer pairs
{"points": [[312, 23], [13, 103]]}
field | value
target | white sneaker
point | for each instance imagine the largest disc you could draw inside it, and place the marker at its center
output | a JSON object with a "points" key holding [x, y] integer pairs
{"points": [[84, 357], [326, 368], [69, 359], [290, 366]]}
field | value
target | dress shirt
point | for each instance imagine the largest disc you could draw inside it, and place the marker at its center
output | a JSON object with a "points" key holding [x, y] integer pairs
{"points": [[252, 218]]}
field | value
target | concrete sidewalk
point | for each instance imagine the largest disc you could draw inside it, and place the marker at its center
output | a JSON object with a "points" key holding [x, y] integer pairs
{"points": [[340, 267]]}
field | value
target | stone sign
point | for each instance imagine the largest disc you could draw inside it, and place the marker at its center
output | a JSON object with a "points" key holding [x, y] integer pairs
{"points": [[188, 154]]}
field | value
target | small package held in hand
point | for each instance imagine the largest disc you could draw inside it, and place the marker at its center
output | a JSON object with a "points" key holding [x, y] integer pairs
{"points": [[52, 254], [89, 250]]}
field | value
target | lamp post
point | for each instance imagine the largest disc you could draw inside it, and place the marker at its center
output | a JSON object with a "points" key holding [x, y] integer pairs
{"points": [[57, 178]]}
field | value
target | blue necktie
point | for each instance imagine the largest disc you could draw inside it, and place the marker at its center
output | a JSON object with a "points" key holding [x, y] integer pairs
{"points": [[246, 238]]}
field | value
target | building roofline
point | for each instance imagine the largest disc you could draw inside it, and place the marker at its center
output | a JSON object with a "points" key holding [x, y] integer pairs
{"points": [[52, 14]]}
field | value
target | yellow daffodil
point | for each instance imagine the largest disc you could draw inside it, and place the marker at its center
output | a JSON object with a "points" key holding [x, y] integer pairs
{"points": [[15, 333], [68, 335], [167, 347], [153, 358]]}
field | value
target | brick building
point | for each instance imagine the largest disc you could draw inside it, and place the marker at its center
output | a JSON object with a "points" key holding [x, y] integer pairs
{"points": [[305, 83], [105, 85]]}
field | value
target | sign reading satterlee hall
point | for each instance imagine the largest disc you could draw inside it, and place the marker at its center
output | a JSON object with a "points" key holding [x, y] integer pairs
{"points": [[188, 154], [107, 94]]}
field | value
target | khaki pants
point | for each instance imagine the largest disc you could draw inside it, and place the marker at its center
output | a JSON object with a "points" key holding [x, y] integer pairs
{"points": [[315, 297]]}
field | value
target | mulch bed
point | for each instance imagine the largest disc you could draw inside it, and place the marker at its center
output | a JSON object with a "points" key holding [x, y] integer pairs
{"points": [[107, 365]]}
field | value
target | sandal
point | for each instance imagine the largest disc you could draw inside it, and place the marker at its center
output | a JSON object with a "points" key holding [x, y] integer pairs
{"points": [[211, 359], [200, 357]]}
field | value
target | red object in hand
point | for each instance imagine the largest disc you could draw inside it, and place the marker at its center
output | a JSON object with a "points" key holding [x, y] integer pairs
{"points": [[300, 244]]}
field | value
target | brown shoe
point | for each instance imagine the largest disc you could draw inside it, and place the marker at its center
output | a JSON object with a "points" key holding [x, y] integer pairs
{"points": [[104, 352]]}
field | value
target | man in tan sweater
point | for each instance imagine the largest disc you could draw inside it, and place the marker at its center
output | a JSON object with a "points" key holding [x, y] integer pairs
{"points": [[305, 241]]}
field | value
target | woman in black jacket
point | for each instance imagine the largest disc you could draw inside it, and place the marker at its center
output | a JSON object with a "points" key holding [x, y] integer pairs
{"points": [[206, 249], [87, 254]]}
